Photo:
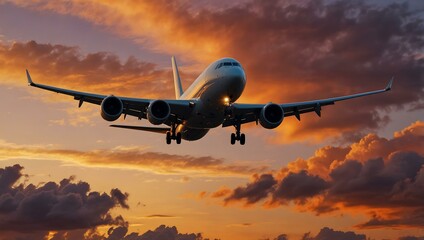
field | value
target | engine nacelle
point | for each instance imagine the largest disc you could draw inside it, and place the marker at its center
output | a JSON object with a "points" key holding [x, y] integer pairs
{"points": [[158, 112], [111, 108], [271, 116]]}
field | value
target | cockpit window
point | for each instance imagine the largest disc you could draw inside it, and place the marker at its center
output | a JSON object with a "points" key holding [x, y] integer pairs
{"points": [[228, 64]]}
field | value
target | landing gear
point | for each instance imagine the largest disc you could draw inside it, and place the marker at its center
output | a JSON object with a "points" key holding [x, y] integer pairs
{"points": [[168, 137], [242, 139], [237, 136], [233, 138], [171, 135], [178, 138]]}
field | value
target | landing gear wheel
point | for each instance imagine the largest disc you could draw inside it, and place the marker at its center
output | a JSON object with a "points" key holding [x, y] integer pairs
{"points": [[242, 139], [178, 138], [233, 138], [168, 137]]}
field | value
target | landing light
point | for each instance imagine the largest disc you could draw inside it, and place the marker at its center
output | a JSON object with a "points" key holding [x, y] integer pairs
{"points": [[226, 99]]}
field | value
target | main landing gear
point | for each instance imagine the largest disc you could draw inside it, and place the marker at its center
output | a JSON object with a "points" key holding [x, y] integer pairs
{"points": [[237, 136], [172, 135]]}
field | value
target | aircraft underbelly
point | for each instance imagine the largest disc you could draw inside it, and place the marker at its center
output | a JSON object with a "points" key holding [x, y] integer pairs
{"points": [[191, 134], [207, 113]]}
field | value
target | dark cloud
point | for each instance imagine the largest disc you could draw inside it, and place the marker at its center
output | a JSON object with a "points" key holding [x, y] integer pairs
{"points": [[120, 197], [295, 186], [114, 233], [69, 209], [299, 186], [255, 191], [388, 187], [411, 238], [52, 206], [167, 233], [282, 237], [328, 233]]}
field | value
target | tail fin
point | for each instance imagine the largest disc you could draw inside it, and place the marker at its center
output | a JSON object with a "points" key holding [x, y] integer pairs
{"points": [[177, 81]]}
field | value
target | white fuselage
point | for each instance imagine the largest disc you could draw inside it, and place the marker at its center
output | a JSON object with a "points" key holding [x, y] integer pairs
{"points": [[220, 84]]}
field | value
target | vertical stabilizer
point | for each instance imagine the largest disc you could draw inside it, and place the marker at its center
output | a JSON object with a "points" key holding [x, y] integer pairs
{"points": [[177, 81]]}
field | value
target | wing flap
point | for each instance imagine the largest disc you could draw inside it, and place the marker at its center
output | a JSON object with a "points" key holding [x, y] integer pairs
{"points": [[141, 128]]}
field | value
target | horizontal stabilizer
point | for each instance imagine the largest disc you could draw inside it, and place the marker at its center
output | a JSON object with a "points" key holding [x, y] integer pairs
{"points": [[141, 128]]}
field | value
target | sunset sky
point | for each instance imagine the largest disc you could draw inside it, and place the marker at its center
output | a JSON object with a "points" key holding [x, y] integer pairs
{"points": [[355, 173]]}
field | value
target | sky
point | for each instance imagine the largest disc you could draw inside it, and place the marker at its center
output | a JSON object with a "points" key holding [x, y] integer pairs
{"points": [[355, 173]]}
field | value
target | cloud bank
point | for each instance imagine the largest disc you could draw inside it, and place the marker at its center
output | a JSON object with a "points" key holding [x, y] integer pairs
{"points": [[380, 177], [67, 205], [133, 158]]}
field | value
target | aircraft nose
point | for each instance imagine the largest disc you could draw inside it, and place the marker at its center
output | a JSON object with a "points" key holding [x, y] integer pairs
{"points": [[237, 76], [235, 83]]}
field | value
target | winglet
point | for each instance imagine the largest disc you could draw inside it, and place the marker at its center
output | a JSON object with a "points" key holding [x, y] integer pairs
{"points": [[177, 81], [389, 85], [30, 82]]}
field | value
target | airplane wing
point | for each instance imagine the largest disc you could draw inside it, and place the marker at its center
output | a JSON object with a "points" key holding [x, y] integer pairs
{"points": [[137, 107], [245, 113]]}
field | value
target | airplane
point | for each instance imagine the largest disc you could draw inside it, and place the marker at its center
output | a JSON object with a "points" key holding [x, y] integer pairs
{"points": [[209, 102]]}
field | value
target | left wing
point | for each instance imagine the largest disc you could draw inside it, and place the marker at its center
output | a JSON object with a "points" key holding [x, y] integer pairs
{"points": [[244, 113], [137, 107]]}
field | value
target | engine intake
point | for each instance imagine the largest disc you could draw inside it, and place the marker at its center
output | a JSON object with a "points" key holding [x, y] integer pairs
{"points": [[158, 112], [271, 116], [111, 108]]}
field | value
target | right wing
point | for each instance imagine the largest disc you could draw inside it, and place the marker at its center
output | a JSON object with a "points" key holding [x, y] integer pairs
{"points": [[137, 107], [245, 113]]}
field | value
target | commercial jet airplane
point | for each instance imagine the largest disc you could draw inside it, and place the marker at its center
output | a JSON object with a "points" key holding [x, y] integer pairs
{"points": [[208, 103]]}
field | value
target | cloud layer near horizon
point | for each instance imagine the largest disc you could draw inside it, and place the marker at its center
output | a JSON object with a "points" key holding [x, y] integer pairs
{"points": [[70, 211], [377, 176], [291, 52], [133, 158]]}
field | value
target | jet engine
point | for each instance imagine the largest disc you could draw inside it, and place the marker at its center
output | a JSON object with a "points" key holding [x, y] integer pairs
{"points": [[111, 108], [271, 116], [158, 112]]}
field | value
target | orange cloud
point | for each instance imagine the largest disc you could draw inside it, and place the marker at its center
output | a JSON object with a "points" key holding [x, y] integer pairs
{"points": [[133, 158], [382, 178], [67, 67]]}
